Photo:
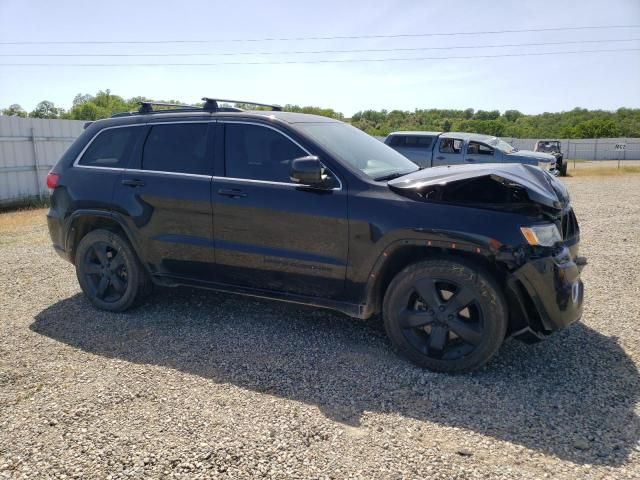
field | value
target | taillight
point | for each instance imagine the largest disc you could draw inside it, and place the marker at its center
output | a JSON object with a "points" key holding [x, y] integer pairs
{"points": [[52, 180]]}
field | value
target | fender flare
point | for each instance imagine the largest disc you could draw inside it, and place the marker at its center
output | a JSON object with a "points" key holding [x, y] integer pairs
{"points": [[447, 242], [78, 214]]}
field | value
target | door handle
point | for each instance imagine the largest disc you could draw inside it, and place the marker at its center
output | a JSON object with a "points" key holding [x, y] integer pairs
{"points": [[440, 158], [471, 159], [232, 192], [133, 182]]}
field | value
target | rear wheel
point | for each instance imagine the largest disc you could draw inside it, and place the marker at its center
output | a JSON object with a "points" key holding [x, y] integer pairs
{"points": [[108, 270], [445, 315]]}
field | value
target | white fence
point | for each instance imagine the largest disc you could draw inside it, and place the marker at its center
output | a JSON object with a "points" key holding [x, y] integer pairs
{"points": [[599, 149], [589, 148], [29, 147]]}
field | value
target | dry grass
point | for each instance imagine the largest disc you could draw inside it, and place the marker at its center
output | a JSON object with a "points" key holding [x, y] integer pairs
{"points": [[604, 171], [17, 224]]}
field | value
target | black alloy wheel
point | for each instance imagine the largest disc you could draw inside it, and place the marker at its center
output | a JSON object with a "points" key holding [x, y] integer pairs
{"points": [[105, 271], [109, 271], [441, 319], [445, 315]]}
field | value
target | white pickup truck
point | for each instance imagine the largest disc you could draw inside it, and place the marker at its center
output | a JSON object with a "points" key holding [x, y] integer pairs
{"points": [[431, 149]]}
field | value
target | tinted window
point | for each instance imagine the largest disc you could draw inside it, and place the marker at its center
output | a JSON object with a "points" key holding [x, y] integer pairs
{"points": [[259, 153], [111, 148], [178, 147], [357, 149], [476, 148], [411, 141], [450, 145]]}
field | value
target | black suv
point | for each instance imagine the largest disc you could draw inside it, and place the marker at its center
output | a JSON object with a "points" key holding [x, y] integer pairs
{"points": [[310, 210]]}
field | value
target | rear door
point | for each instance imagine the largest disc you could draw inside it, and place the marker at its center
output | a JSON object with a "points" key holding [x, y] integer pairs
{"points": [[271, 233], [165, 195], [96, 171], [448, 151]]}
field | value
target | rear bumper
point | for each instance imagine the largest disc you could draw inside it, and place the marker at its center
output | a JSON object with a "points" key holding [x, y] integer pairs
{"points": [[556, 291], [57, 234]]}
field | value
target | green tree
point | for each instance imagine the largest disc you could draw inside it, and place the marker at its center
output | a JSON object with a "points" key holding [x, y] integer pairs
{"points": [[45, 109], [596, 128], [512, 115], [14, 110], [485, 115]]}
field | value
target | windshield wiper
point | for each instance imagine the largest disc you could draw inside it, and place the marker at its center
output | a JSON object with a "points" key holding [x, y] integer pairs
{"points": [[391, 176]]}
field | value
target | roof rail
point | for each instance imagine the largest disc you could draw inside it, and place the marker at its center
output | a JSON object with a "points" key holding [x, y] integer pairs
{"points": [[211, 104], [147, 107]]}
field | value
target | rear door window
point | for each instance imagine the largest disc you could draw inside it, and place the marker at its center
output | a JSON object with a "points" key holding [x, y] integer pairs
{"points": [[258, 153], [177, 148], [111, 148], [450, 145]]}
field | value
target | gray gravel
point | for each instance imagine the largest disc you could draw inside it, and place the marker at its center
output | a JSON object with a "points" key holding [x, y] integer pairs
{"points": [[202, 385]]}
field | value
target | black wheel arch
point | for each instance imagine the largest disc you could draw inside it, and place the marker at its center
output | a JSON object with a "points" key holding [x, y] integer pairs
{"points": [[400, 254], [84, 221]]}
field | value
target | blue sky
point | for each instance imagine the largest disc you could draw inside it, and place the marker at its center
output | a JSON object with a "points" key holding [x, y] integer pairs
{"points": [[531, 84]]}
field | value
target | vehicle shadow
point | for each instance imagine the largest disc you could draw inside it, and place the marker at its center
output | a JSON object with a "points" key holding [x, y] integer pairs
{"points": [[572, 396]]}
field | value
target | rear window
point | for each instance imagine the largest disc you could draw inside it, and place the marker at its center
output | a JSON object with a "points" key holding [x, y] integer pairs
{"points": [[178, 148], [411, 141], [111, 148]]}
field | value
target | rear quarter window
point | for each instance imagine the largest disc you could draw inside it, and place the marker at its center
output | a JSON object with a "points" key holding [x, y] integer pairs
{"points": [[110, 148], [411, 141]]}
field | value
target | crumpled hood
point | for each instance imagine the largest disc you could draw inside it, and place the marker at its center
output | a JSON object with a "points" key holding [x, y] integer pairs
{"points": [[541, 187], [540, 156]]}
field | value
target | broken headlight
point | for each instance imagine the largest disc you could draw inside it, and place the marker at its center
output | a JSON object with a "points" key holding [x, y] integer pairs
{"points": [[541, 235]]}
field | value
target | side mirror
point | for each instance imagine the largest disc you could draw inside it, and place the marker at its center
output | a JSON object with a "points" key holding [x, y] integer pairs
{"points": [[307, 171]]}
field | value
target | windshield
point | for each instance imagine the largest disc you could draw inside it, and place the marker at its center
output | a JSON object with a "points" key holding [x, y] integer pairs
{"points": [[501, 145], [359, 150], [548, 146]]}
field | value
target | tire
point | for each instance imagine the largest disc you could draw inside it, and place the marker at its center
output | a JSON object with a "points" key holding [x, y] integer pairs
{"points": [[109, 271], [563, 170], [445, 315]]}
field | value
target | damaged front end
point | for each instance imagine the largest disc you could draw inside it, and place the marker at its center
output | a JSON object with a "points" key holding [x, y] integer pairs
{"points": [[541, 271]]}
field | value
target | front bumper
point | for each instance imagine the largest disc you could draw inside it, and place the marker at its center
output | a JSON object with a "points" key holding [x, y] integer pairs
{"points": [[556, 291]]}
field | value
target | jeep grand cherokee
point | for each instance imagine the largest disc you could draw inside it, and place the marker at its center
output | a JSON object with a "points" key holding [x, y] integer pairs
{"points": [[307, 209]]}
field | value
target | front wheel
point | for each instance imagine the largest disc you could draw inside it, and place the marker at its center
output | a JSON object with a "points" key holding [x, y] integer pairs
{"points": [[445, 315], [108, 271], [563, 170]]}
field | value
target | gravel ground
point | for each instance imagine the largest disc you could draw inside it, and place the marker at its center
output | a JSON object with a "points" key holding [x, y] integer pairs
{"points": [[196, 384]]}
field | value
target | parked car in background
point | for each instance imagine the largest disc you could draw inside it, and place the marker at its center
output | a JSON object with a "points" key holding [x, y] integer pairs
{"points": [[311, 210], [433, 149], [552, 147]]}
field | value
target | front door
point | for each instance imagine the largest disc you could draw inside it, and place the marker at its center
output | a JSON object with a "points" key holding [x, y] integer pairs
{"points": [[479, 153], [448, 152], [270, 233]]}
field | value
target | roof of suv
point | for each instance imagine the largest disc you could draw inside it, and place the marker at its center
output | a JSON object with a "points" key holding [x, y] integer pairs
{"points": [[195, 115], [458, 135], [418, 133], [288, 117]]}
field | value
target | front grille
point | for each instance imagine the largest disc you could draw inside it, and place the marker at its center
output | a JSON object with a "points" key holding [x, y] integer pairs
{"points": [[569, 225]]}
